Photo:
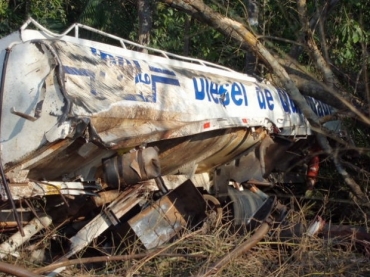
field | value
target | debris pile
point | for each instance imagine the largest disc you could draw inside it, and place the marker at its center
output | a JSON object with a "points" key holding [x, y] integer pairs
{"points": [[102, 144]]}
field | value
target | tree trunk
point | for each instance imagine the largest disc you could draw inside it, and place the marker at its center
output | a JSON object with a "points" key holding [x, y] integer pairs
{"points": [[145, 22], [239, 31], [229, 28]]}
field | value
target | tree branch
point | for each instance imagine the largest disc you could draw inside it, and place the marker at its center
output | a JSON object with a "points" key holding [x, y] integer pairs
{"points": [[312, 49], [340, 102], [236, 29], [320, 12]]}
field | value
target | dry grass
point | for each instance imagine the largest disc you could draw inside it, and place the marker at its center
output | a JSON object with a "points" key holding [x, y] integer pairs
{"points": [[193, 251]]}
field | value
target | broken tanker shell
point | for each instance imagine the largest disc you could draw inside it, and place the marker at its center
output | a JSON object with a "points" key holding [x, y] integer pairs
{"points": [[165, 218], [130, 168], [94, 130], [249, 208], [100, 99]]}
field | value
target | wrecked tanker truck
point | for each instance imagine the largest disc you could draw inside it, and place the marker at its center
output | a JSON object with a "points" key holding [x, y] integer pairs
{"points": [[105, 135]]}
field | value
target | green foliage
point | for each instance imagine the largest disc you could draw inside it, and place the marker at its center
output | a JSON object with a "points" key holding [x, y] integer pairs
{"points": [[3, 7], [44, 11], [346, 33], [165, 28], [49, 13], [9, 18], [112, 16], [172, 30]]}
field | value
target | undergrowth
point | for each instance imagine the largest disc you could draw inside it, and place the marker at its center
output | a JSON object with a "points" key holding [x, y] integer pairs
{"points": [[195, 251]]}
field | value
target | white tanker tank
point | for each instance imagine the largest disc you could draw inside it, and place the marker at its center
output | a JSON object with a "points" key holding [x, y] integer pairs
{"points": [[80, 117]]}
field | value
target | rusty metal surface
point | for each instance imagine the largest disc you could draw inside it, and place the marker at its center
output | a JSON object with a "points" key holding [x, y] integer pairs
{"points": [[29, 89], [73, 110], [157, 224], [90, 93], [165, 218], [119, 207]]}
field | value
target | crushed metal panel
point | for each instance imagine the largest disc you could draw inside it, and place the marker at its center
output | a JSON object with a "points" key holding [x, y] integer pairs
{"points": [[31, 103], [118, 208], [132, 167], [164, 219], [158, 223], [155, 88]]}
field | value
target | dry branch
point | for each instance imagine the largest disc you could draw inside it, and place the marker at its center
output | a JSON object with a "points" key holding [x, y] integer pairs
{"points": [[239, 31]]}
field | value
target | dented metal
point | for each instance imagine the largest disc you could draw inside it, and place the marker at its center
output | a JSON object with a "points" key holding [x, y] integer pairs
{"points": [[106, 135], [168, 216]]}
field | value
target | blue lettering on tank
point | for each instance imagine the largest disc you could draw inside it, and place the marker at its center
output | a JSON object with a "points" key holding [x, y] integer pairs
{"points": [[284, 99], [287, 103], [142, 78], [320, 111], [164, 80], [293, 106], [107, 57], [269, 99], [162, 70], [137, 64], [327, 109], [116, 60], [260, 98], [318, 107], [244, 94], [235, 93], [207, 89], [94, 51], [199, 88], [82, 72], [213, 89], [151, 80], [225, 94], [154, 79], [220, 93]]}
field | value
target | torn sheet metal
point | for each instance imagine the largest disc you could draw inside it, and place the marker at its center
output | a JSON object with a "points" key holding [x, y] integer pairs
{"points": [[109, 216], [34, 102], [165, 218], [59, 87], [105, 123], [131, 168]]}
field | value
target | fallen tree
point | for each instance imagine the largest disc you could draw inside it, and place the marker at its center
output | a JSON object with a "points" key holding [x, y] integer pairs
{"points": [[329, 87]]}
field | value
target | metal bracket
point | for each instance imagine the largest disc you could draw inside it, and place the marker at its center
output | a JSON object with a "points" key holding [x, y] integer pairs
{"points": [[221, 182], [111, 216], [23, 115]]}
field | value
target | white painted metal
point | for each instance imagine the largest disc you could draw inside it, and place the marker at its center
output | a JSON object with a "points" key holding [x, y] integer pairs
{"points": [[29, 80], [16, 240], [129, 98], [59, 88]]}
